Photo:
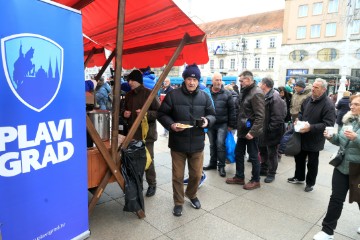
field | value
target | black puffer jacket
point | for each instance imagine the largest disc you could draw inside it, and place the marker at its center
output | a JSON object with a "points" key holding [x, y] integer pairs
{"points": [[342, 107], [224, 107], [251, 107], [320, 113], [180, 106], [275, 112]]}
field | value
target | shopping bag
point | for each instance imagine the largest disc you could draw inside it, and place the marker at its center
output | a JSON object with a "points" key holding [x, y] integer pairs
{"points": [[230, 147], [354, 182], [293, 145]]}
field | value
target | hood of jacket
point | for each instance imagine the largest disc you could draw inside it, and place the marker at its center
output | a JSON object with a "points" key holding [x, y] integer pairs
{"points": [[349, 118]]}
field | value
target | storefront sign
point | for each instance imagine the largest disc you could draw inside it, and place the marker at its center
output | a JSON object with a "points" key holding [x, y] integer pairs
{"points": [[43, 182]]}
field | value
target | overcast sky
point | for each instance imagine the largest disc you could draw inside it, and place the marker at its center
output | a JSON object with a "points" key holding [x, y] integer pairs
{"points": [[202, 11]]}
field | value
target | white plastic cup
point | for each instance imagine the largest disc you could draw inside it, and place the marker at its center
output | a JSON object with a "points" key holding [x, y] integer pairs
{"points": [[347, 128], [330, 131]]}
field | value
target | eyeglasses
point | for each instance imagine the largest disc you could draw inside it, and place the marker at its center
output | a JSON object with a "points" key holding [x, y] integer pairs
{"points": [[354, 104]]}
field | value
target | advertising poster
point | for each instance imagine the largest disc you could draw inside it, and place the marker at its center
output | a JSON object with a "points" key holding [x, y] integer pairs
{"points": [[43, 166]]}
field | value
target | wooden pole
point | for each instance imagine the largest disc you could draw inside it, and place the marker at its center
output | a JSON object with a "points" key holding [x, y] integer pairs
{"points": [[137, 122]]}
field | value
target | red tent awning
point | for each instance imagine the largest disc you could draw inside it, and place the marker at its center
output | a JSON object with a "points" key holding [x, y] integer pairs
{"points": [[152, 31]]}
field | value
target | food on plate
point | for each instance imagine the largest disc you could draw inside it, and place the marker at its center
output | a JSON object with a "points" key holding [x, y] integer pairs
{"points": [[181, 125]]}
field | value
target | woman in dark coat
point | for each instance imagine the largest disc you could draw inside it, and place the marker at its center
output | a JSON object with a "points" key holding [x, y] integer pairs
{"points": [[342, 107]]}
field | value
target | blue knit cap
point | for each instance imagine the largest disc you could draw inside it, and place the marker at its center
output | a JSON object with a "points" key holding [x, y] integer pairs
{"points": [[192, 71]]}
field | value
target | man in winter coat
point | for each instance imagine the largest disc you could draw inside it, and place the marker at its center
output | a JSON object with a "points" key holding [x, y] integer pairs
{"points": [[273, 130], [225, 121], [342, 108], [177, 113], [318, 112], [134, 100], [250, 123], [300, 94]]}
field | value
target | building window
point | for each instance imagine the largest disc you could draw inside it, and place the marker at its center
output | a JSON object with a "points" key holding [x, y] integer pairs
{"points": [[330, 30], [327, 54], [301, 32], [244, 63], [212, 47], [257, 43], [257, 63], [333, 6], [271, 62], [357, 4], [202, 66], [317, 8], [355, 27], [211, 64], [232, 64], [221, 64], [272, 42], [315, 31], [303, 11], [244, 44], [357, 54], [298, 55]]}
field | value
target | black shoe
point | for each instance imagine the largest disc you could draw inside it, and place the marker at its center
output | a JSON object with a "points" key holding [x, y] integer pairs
{"points": [[151, 191], [269, 179], [294, 180], [210, 167], [309, 188], [195, 203], [222, 172], [177, 211]]}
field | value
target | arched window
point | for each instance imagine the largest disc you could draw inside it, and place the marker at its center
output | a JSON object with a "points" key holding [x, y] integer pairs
{"points": [[298, 55], [327, 54]]}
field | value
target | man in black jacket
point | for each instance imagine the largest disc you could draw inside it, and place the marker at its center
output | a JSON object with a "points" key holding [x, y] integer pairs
{"points": [[250, 121], [273, 130], [178, 113], [225, 121], [318, 112]]}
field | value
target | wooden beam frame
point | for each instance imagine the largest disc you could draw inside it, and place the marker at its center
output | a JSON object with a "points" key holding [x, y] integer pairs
{"points": [[135, 125]]}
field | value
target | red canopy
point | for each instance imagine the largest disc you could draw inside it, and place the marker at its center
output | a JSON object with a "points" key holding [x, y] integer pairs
{"points": [[152, 31]]}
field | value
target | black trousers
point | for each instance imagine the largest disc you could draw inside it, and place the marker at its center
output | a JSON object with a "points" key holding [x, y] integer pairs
{"points": [[340, 187], [312, 166]]}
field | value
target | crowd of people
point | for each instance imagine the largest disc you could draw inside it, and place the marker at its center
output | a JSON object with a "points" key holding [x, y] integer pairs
{"points": [[259, 114]]}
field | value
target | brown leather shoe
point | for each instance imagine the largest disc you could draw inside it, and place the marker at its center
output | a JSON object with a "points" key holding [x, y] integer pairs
{"points": [[235, 180], [252, 185]]}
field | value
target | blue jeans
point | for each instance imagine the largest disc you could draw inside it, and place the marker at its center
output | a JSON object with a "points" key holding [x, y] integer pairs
{"points": [[217, 136], [253, 151]]}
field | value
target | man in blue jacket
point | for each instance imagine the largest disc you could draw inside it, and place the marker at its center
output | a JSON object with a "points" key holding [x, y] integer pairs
{"points": [[225, 121], [178, 113]]}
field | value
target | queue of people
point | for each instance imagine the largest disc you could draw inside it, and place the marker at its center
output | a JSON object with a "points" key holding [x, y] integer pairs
{"points": [[259, 114]]}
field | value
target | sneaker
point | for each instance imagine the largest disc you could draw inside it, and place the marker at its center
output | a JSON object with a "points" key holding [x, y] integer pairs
{"points": [[202, 179], [235, 180], [309, 188], [294, 180], [195, 203], [269, 179], [177, 211], [323, 236], [251, 185]]}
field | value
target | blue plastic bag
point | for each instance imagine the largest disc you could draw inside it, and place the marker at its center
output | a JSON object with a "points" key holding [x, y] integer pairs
{"points": [[230, 145]]}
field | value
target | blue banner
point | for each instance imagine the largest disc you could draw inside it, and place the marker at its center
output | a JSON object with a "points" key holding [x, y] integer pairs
{"points": [[43, 166]]}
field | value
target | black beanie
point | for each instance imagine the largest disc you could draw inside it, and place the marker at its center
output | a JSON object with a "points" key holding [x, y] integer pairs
{"points": [[192, 71], [135, 75]]}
